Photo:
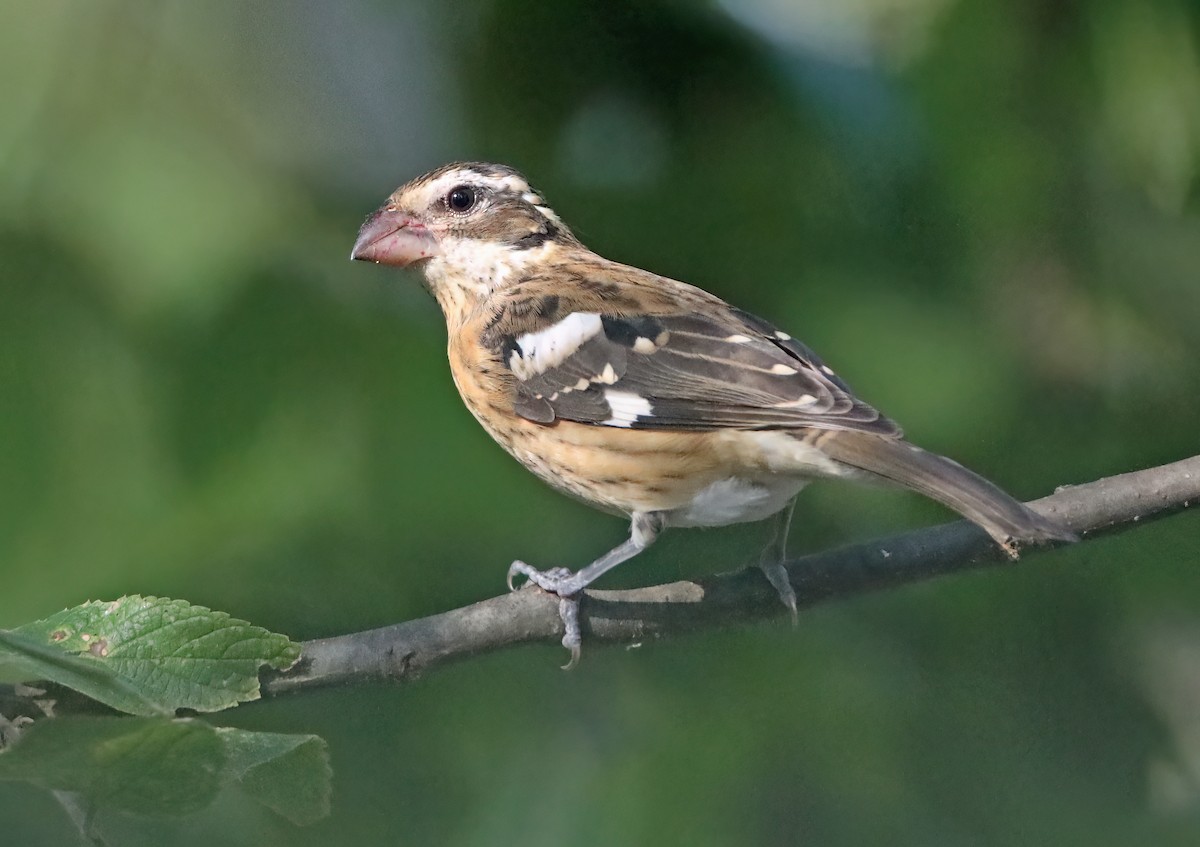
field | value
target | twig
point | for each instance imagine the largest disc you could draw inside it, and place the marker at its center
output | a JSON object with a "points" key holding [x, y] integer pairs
{"points": [[404, 650]]}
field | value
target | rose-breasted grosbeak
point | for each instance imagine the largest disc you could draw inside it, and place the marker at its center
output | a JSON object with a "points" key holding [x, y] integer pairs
{"points": [[638, 394]]}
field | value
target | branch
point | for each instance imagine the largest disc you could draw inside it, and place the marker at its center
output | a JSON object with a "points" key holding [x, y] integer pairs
{"points": [[404, 650]]}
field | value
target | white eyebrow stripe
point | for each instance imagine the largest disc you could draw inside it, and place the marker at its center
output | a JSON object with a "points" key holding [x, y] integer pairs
{"points": [[440, 186], [549, 214], [538, 352], [626, 407], [511, 182], [435, 191]]}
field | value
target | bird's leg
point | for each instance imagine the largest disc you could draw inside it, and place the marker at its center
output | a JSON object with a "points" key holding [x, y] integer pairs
{"points": [[771, 560], [644, 529]]}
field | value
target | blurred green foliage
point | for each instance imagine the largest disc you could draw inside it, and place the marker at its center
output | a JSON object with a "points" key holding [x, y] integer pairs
{"points": [[984, 214]]}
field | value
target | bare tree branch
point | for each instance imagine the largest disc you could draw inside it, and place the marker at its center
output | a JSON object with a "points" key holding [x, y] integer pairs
{"points": [[404, 650]]}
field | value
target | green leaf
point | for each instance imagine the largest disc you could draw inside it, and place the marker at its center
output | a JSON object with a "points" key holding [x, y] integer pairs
{"points": [[23, 659], [165, 768], [141, 765], [147, 655], [289, 774]]}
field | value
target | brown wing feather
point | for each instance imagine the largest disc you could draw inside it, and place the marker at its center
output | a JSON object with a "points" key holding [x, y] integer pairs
{"points": [[571, 347]]}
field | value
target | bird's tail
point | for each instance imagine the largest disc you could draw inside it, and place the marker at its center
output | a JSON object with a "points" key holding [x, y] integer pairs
{"points": [[948, 482]]}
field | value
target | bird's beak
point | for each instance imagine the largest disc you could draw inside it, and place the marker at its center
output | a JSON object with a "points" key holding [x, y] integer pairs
{"points": [[391, 237]]}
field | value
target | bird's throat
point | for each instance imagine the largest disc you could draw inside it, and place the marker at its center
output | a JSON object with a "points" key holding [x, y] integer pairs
{"points": [[465, 272]]}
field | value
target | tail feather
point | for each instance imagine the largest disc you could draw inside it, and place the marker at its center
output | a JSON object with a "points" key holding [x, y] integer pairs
{"points": [[1006, 520]]}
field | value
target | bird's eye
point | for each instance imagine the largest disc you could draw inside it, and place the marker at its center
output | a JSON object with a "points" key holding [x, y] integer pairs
{"points": [[461, 199]]}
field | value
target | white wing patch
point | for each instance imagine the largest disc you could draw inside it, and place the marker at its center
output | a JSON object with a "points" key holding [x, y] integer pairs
{"points": [[626, 407], [607, 376], [538, 352], [799, 402]]}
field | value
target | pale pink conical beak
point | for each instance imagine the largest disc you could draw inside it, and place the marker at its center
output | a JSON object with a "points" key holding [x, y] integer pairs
{"points": [[390, 237]]}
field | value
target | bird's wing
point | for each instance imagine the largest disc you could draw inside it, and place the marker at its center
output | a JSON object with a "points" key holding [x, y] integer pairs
{"points": [[711, 368]]}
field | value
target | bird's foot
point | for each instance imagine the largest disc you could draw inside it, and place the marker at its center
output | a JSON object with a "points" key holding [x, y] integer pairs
{"points": [[777, 575], [554, 580], [559, 581]]}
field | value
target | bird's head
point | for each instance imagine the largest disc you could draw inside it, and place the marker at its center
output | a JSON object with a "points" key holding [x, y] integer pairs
{"points": [[458, 208]]}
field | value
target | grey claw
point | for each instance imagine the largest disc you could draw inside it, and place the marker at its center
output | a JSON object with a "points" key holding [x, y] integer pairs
{"points": [[787, 595], [568, 611], [517, 567], [555, 581], [790, 602], [777, 575]]}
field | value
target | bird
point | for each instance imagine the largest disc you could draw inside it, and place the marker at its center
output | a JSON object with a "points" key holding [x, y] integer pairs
{"points": [[641, 395]]}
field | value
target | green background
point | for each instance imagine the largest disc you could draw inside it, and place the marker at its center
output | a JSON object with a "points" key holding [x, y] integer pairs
{"points": [[985, 215]]}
